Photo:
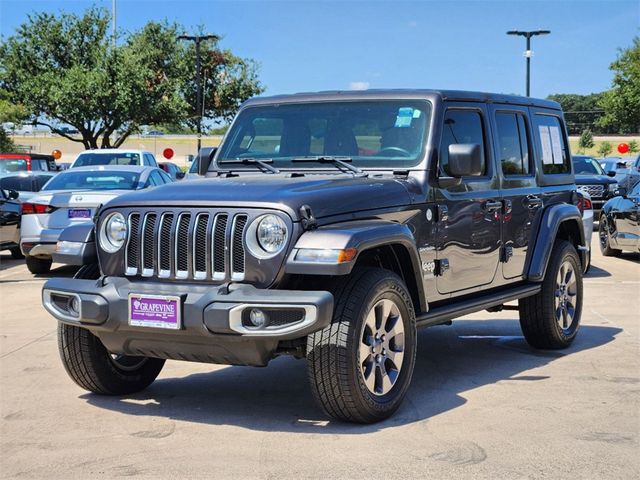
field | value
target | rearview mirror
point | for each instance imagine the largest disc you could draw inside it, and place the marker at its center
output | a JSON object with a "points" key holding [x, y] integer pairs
{"points": [[205, 155], [465, 159]]}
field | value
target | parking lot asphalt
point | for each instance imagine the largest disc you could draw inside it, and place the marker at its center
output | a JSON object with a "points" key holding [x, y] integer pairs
{"points": [[482, 404]]}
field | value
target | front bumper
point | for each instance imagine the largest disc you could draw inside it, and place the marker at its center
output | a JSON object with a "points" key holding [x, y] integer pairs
{"points": [[210, 329]]}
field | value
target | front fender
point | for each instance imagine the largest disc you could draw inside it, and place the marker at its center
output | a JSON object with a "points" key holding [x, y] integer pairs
{"points": [[552, 220], [76, 245]]}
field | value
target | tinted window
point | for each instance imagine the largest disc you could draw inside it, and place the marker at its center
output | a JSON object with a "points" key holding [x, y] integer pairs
{"points": [[194, 165], [460, 126], [552, 144], [586, 166], [513, 144], [149, 160], [115, 158], [8, 166], [98, 180], [24, 184], [372, 134]]}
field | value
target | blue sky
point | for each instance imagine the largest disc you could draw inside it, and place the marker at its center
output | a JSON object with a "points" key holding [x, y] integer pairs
{"points": [[326, 45]]}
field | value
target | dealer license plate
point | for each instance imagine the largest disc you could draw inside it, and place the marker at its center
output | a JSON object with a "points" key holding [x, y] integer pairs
{"points": [[156, 311], [79, 213]]}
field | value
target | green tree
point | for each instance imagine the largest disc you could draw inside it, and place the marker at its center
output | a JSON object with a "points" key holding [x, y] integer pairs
{"points": [[622, 103], [633, 147], [605, 148], [9, 113], [64, 69], [580, 111], [586, 140]]}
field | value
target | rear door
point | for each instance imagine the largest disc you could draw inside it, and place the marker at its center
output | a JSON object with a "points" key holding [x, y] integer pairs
{"points": [[520, 194], [468, 238]]}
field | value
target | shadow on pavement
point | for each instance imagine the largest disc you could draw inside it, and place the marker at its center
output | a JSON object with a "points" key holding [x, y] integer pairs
{"points": [[631, 256], [596, 272], [451, 360]]}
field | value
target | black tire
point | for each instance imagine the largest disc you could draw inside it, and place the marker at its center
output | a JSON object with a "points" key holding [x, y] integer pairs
{"points": [[16, 254], [603, 233], [335, 369], [38, 265], [93, 368], [541, 314]]}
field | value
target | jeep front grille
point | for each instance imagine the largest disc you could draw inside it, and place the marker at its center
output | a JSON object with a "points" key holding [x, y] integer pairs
{"points": [[186, 245], [594, 191]]}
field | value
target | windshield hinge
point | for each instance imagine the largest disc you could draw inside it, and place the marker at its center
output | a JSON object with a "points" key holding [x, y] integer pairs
{"points": [[308, 220]]}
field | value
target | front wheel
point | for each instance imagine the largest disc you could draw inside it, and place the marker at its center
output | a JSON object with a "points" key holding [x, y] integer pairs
{"points": [[551, 318], [360, 366]]}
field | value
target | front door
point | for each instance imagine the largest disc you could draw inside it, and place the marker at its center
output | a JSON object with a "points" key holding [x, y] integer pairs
{"points": [[468, 228], [521, 197]]}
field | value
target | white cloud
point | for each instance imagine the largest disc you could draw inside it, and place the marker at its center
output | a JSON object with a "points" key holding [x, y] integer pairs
{"points": [[358, 85]]}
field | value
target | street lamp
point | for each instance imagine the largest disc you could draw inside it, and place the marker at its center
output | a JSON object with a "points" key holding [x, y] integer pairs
{"points": [[198, 39], [528, 53]]}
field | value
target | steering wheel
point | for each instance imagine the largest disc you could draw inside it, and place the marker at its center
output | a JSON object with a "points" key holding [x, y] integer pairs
{"points": [[401, 151]]}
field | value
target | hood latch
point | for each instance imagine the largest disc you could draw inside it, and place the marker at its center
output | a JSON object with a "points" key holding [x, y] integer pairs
{"points": [[308, 220]]}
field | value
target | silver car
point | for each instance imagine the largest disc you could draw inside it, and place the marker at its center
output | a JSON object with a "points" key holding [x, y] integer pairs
{"points": [[72, 197]]}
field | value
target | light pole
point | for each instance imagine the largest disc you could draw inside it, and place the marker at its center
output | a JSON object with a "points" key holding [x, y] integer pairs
{"points": [[198, 39], [528, 53]]}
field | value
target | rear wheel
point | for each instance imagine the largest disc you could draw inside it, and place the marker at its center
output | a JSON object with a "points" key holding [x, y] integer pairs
{"points": [[360, 366], [38, 265], [16, 253], [551, 318], [605, 246]]}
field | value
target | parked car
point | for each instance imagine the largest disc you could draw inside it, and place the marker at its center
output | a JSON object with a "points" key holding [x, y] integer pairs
{"points": [[173, 170], [330, 226], [26, 162], [27, 184], [586, 207], [619, 227], [10, 222], [591, 178], [115, 156], [72, 197]]}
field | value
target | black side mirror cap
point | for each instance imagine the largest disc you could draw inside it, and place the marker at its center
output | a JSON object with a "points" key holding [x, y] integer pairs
{"points": [[180, 175], [611, 173], [465, 159], [205, 156]]}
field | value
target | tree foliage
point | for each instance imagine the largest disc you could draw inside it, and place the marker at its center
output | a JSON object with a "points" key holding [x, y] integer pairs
{"points": [[605, 148], [622, 102], [633, 147], [64, 69], [586, 140]]}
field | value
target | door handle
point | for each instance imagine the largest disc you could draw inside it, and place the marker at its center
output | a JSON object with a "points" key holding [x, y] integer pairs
{"points": [[532, 201], [492, 206]]}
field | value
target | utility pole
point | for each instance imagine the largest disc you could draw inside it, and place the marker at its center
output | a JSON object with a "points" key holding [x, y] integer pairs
{"points": [[198, 39], [528, 53], [113, 23]]}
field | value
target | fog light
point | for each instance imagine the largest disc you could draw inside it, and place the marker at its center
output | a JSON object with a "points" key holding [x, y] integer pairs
{"points": [[257, 317], [74, 306]]}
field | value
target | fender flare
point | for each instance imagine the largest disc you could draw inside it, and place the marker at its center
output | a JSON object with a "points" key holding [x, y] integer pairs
{"points": [[83, 251], [552, 218], [362, 235]]}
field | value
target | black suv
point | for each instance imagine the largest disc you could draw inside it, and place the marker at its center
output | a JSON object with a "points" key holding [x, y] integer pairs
{"points": [[330, 226], [592, 179]]}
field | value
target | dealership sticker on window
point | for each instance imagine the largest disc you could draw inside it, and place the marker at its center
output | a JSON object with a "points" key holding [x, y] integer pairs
{"points": [[556, 145], [545, 139], [405, 115]]}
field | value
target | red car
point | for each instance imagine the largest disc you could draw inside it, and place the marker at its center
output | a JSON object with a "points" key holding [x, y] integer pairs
{"points": [[26, 162]]}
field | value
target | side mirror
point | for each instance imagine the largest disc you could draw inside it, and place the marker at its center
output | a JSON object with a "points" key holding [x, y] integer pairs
{"points": [[180, 175], [611, 173], [205, 155], [12, 195], [465, 159]]}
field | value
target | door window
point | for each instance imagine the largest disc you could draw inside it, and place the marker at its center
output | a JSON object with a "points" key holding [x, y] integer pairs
{"points": [[461, 126], [513, 144]]}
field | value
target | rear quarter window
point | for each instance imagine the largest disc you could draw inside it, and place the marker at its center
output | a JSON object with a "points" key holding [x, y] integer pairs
{"points": [[552, 144]]}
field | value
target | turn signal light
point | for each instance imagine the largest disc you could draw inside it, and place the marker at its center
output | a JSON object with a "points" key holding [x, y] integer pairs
{"points": [[36, 208]]}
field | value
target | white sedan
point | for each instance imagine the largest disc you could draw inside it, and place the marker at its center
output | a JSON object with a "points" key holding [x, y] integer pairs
{"points": [[71, 197]]}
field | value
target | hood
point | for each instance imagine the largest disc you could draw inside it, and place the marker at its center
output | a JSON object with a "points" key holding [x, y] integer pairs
{"points": [[594, 180], [326, 194]]}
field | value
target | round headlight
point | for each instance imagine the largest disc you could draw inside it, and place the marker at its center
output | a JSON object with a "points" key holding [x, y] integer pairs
{"points": [[267, 236], [113, 232]]}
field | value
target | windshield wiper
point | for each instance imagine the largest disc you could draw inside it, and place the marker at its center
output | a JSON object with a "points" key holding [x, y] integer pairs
{"points": [[264, 163], [337, 161]]}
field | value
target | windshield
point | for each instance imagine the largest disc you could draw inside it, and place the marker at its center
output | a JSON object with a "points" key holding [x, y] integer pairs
{"points": [[385, 134], [10, 166], [24, 183], [101, 180], [115, 158], [586, 166]]}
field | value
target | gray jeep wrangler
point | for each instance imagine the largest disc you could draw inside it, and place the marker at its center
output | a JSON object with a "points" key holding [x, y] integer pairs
{"points": [[330, 226]]}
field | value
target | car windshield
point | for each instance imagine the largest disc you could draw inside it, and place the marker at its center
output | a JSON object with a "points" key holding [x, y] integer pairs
{"points": [[586, 166], [112, 158], [99, 180], [8, 165], [29, 183], [384, 134]]}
